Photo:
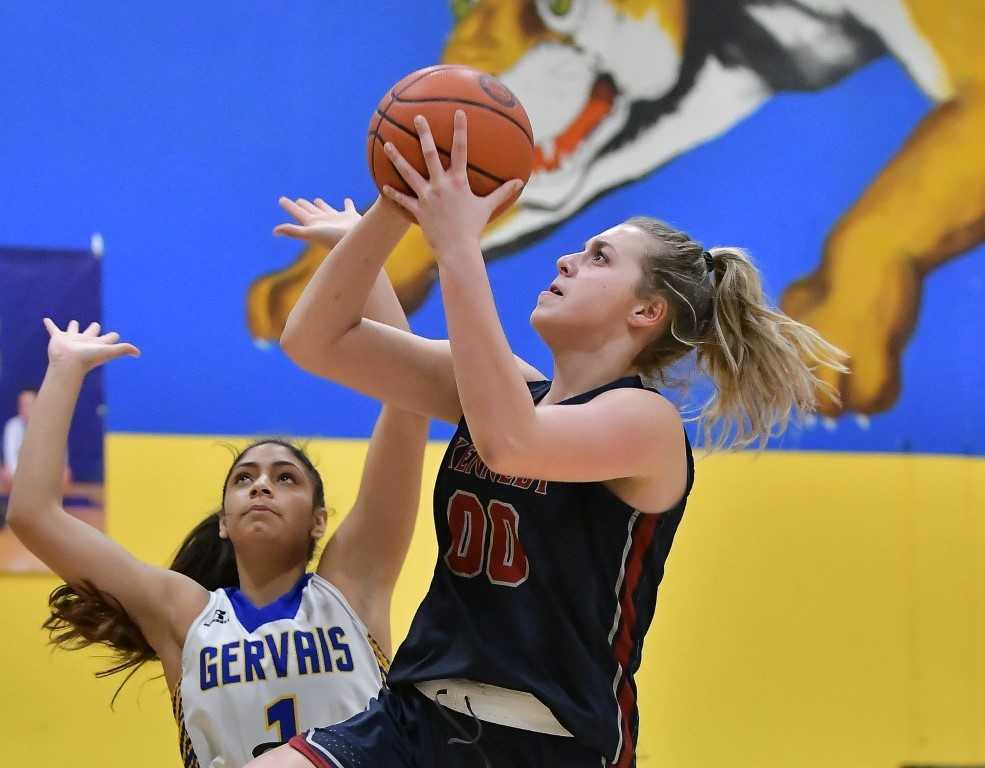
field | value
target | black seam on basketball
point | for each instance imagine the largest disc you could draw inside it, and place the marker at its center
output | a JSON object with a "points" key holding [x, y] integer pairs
{"points": [[371, 151], [471, 104], [439, 68], [376, 138], [405, 187], [375, 128], [441, 151]]}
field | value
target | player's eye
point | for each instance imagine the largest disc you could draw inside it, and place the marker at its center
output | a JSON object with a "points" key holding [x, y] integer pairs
{"points": [[286, 476], [240, 477], [600, 258]]}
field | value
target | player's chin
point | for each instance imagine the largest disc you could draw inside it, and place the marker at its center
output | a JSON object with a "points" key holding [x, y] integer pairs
{"points": [[538, 319], [544, 308], [554, 326], [261, 525]]}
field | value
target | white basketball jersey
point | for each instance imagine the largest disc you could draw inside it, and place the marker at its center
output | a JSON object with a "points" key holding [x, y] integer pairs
{"points": [[252, 676]]}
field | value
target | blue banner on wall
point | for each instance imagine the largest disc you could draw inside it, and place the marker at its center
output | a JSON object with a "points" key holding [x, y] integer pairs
{"points": [[63, 285]]}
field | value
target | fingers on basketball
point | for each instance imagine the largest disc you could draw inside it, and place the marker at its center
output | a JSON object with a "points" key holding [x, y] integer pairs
{"points": [[499, 145]]}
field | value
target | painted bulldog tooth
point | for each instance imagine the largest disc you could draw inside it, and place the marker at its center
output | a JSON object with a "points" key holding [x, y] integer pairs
{"points": [[829, 424]]}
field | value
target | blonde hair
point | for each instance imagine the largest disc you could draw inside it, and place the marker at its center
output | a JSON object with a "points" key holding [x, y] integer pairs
{"points": [[762, 362]]}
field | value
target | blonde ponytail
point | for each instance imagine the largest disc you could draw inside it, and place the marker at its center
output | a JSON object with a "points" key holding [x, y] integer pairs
{"points": [[763, 363]]}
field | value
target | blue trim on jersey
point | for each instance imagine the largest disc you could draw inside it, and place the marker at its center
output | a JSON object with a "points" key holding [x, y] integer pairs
{"points": [[284, 607]]}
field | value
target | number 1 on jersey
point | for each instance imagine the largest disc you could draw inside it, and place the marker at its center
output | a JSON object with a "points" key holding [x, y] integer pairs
{"points": [[506, 562], [284, 714]]}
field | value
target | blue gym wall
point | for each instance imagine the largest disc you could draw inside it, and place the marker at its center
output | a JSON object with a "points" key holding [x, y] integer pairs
{"points": [[172, 129]]}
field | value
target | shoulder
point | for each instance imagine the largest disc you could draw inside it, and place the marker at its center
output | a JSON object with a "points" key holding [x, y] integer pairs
{"points": [[327, 590], [320, 583], [646, 405], [652, 425], [642, 418], [187, 602]]}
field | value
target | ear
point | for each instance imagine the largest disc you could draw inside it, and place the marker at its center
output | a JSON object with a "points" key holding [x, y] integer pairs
{"points": [[320, 522], [223, 533], [649, 314]]}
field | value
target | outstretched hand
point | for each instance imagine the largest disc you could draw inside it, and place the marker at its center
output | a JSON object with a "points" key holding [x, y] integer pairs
{"points": [[446, 208], [84, 350], [318, 222]]}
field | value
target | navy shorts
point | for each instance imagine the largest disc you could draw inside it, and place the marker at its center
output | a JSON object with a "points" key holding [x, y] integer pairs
{"points": [[404, 729]]}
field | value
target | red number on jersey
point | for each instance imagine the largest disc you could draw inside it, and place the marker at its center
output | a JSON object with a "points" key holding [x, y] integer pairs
{"points": [[467, 524], [506, 564]]}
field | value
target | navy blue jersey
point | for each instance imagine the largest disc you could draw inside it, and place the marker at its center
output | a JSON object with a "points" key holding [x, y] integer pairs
{"points": [[544, 587]]}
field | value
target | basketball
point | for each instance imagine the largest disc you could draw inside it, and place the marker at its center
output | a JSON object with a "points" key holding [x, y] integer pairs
{"points": [[500, 140]]}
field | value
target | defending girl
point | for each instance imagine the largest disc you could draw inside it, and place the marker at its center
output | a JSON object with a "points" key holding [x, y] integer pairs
{"points": [[254, 648], [557, 501]]}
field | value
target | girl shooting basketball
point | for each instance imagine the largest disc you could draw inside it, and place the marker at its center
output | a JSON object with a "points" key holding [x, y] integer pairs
{"points": [[253, 648], [557, 501]]}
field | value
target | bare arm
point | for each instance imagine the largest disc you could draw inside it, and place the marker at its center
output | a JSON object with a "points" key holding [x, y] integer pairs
{"points": [[631, 438], [365, 555], [333, 332], [161, 602], [327, 334]]}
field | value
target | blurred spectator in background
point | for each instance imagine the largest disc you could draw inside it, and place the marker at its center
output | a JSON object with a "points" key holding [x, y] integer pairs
{"points": [[13, 436]]}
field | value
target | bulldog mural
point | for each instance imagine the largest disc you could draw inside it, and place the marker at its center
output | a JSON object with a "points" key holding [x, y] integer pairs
{"points": [[617, 88]]}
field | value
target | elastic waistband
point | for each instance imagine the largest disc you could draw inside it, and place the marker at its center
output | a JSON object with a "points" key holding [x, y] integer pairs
{"points": [[492, 704]]}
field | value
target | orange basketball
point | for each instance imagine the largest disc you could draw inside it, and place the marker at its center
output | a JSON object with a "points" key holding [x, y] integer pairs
{"points": [[500, 142]]}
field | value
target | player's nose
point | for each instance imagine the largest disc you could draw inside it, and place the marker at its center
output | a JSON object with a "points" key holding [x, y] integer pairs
{"points": [[260, 487], [566, 265]]}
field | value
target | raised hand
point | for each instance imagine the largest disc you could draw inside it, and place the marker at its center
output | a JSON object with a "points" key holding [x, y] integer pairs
{"points": [[318, 222], [446, 208], [85, 350]]}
